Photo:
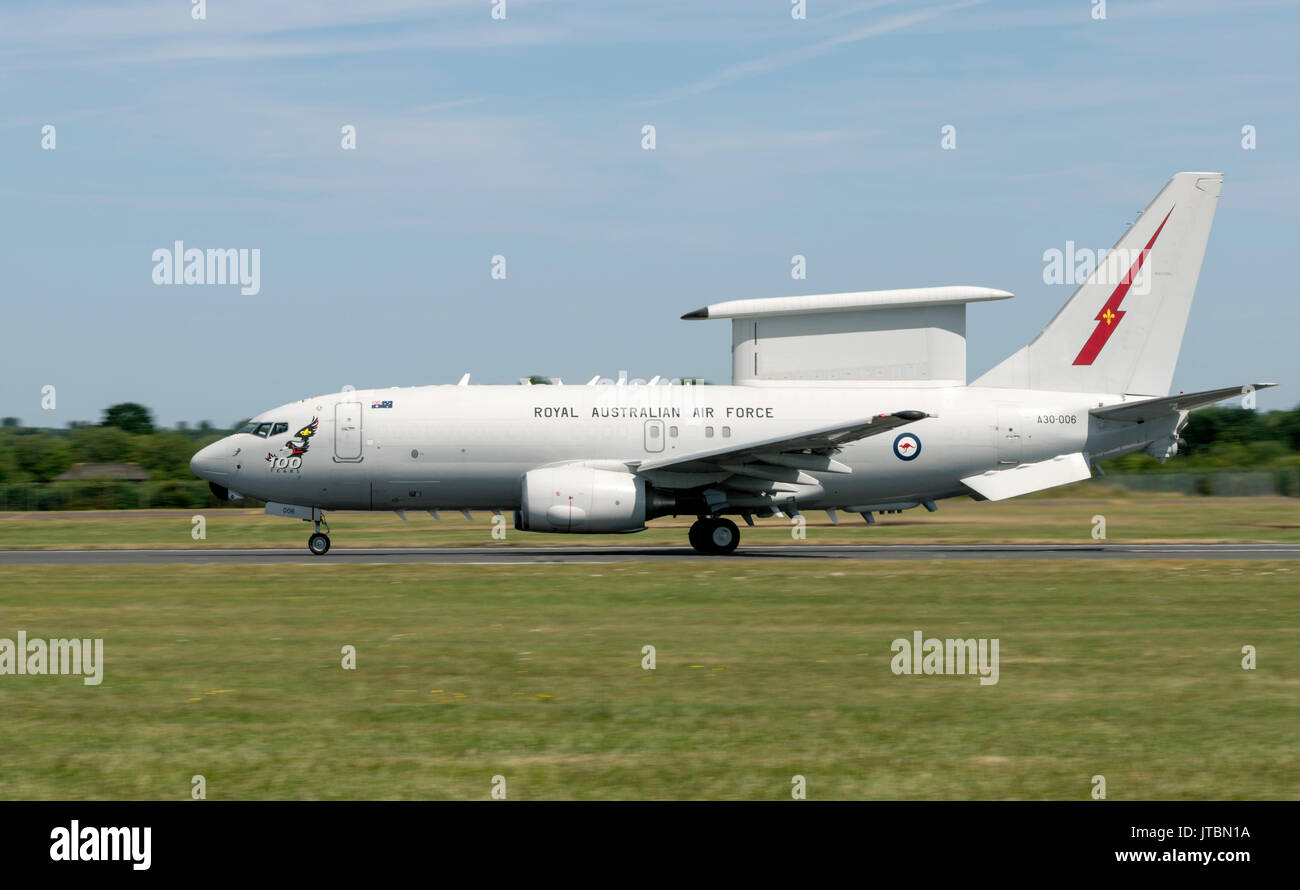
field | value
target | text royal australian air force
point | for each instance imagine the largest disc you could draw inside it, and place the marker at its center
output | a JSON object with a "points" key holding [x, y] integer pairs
{"points": [[747, 412], [646, 402]]}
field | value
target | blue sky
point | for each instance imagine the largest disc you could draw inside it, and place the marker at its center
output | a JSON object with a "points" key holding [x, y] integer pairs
{"points": [[522, 138]]}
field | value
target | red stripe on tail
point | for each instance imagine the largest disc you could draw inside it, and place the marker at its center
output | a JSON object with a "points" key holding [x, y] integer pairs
{"points": [[1109, 316]]}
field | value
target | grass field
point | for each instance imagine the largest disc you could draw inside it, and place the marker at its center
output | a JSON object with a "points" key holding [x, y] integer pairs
{"points": [[1129, 670], [1128, 519]]}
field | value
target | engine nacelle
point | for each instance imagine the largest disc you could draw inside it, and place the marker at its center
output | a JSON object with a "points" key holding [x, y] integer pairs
{"points": [[582, 500]]}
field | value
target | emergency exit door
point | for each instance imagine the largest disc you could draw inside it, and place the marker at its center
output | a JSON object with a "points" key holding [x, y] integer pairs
{"points": [[654, 435]]}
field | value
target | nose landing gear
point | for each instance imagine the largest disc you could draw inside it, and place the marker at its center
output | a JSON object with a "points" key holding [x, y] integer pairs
{"points": [[319, 542], [714, 535]]}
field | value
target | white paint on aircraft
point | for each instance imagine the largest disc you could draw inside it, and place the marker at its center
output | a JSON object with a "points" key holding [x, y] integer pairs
{"points": [[854, 402]]}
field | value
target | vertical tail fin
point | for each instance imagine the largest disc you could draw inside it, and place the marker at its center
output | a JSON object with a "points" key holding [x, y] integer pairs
{"points": [[1121, 330]]}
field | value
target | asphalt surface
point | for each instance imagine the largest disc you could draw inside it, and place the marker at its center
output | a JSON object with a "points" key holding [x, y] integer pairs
{"points": [[488, 555]]}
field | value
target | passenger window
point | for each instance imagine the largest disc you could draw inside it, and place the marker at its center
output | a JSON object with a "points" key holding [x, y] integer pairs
{"points": [[708, 432], [279, 428], [672, 432], [262, 430], [726, 432], [654, 432]]}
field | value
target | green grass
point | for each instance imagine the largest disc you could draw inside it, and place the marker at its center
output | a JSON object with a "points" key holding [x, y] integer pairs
{"points": [[1130, 670], [1129, 518]]}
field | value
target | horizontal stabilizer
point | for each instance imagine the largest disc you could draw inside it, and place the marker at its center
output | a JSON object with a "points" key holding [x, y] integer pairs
{"points": [[998, 485], [1148, 409]]}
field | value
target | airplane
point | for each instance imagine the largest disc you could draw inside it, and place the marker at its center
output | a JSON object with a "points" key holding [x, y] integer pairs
{"points": [[854, 402]]}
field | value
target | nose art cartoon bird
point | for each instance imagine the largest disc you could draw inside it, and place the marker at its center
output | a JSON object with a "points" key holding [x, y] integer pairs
{"points": [[299, 442]]}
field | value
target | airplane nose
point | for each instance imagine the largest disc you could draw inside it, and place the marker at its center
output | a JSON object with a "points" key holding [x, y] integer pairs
{"points": [[210, 462]]}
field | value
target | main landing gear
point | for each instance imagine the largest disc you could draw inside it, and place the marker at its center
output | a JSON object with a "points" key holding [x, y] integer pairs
{"points": [[714, 535], [319, 542]]}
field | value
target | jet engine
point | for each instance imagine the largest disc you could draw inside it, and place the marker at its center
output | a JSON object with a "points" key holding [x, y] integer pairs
{"points": [[585, 500]]}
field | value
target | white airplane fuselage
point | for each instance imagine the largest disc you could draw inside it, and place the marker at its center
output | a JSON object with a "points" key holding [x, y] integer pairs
{"points": [[467, 447]]}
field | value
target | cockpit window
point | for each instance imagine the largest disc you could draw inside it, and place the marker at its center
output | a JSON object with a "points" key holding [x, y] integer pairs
{"points": [[262, 430], [279, 428], [248, 427]]}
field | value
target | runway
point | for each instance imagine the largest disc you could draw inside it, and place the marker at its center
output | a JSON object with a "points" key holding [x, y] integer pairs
{"points": [[505, 555]]}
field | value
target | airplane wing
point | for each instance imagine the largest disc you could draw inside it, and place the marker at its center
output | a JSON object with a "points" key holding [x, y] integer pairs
{"points": [[1148, 409], [777, 462]]}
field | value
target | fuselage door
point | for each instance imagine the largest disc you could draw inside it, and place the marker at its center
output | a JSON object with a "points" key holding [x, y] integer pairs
{"points": [[347, 431], [1009, 434], [654, 435]]}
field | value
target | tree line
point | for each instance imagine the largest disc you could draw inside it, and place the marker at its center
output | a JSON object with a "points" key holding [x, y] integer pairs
{"points": [[1230, 438], [126, 434]]}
